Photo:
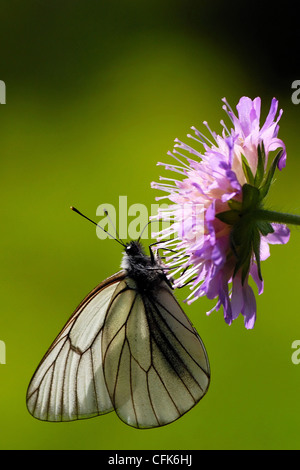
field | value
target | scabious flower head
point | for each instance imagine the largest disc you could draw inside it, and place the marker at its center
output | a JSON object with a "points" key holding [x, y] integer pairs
{"points": [[219, 238]]}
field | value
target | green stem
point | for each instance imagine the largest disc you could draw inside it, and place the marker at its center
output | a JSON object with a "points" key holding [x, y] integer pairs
{"points": [[272, 216]]}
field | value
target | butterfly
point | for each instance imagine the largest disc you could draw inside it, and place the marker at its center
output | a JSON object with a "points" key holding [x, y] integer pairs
{"points": [[128, 347]]}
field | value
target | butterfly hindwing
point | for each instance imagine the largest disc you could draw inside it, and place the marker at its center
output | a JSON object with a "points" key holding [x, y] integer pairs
{"points": [[155, 364]]}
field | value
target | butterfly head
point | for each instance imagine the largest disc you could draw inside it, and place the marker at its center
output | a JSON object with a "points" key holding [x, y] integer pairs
{"points": [[134, 255], [134, 248], [147, 271]]}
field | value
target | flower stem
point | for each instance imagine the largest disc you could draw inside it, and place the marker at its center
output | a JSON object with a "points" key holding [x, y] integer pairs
{"points": [[279, 217]]}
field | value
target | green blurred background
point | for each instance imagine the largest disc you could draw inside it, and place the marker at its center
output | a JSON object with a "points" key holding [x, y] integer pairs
{"points": [[96, 93]]}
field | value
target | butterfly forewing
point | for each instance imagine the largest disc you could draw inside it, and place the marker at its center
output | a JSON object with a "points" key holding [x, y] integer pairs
{"points": [[69, 384]]}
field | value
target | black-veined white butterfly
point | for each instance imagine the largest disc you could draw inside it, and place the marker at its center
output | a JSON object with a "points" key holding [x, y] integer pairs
{"points": [[128, 347]]}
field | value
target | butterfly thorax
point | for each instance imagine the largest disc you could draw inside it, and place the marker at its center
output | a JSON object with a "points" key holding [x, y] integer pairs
{"points": [[148, 272]]}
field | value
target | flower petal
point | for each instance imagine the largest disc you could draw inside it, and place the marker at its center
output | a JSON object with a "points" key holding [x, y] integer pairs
{"points": [[281, 235], [254, 273], [249, 309], [237, 298]]}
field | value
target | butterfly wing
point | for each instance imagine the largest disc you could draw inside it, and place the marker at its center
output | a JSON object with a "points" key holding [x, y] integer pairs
{"points": [[68, 383], [126, 350], [154, 362]]}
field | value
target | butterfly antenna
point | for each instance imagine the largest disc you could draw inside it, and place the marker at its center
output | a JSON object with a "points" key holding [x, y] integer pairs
{"points": [[144, 229], [97, 225], [117, 233]]}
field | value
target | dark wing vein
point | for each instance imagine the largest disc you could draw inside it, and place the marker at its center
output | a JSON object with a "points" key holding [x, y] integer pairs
{"points": [[62, 405], [166, 346], [173, 334], [131, 387], [169, 311], [150, 399], [125, 340], [166, 388], [47, 370]]}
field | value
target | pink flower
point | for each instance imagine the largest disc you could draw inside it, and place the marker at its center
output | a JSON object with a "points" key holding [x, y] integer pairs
{"points": [[221, 231]]}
